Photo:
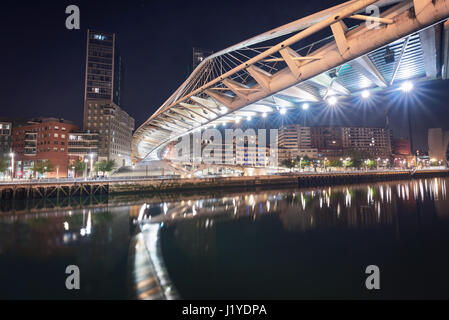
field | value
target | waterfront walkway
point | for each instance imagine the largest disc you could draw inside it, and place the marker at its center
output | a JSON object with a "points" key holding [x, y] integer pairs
{"points": [[24, 189]]}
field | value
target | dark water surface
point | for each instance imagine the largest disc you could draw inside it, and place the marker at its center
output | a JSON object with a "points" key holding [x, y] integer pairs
{"points": [[304, 243]]}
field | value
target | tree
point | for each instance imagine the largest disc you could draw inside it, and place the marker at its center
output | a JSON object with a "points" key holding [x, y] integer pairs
{"points": [[105, 166], [3, 166], [371, 164], [305, 162], [336, 163], [79, 166], [354, 163], [42, 167]]}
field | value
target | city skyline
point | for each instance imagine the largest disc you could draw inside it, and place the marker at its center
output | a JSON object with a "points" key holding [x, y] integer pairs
{"points": [[147, 86], [204, 151]]}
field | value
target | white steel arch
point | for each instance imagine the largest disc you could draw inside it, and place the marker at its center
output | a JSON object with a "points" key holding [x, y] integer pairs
{"points": [[274, 68]]}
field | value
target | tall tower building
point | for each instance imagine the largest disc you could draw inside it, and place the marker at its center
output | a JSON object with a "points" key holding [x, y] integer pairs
{"points": [[104, 70], [103, 98]]}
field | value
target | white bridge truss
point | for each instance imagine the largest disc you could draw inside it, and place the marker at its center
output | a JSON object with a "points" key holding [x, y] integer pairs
{"points": [[278, 69]]}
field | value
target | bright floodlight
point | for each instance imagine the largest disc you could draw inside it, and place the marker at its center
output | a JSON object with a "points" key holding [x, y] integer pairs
{"points": [[406, 86], [305, 106], [264, 115], [248, 118], [365, 94], [237, 119], [283, 111], [332, 101], [223, 110]]}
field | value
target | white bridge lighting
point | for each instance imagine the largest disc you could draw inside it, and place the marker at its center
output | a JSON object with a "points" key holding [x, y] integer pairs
{"points": [[407, 86], [332, 101], [365, 94], [276, 73]]}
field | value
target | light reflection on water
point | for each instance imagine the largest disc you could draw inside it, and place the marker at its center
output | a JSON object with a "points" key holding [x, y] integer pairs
{"points": [[349, 205], [313, 243], [296, 243]]}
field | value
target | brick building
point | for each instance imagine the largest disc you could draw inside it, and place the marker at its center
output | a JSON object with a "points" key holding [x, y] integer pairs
{"points": [[39, 140]]}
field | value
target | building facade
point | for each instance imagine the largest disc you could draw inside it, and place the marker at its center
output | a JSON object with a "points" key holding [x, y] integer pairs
{"points": [[40, 140], [103, 97], [83, 144], [438, 141], [333, 142], [5, 139], [374, 142], [104, 69]]}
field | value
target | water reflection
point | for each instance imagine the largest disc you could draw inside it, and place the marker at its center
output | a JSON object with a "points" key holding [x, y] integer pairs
{"points": [[313, 243], [295, 243], [35, 249], [304, 209]]}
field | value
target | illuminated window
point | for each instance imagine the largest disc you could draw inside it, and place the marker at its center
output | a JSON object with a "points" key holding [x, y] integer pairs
{"points": [[99, 37]]}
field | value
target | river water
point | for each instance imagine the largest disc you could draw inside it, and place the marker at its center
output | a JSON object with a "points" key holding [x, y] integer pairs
{"points": [[270, 244]]}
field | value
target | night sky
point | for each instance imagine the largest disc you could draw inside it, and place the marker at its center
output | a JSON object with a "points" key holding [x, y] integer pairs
{"points": [[43, 63]]}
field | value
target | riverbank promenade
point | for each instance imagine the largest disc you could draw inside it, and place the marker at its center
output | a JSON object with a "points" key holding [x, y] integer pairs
{"points": [[48, 188]]}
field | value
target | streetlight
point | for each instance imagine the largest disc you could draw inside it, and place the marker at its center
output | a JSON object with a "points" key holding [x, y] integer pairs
{"points": [[91, 156], [85, 168], [305, 106], [12, 165], [406, 87], [282, 111]]}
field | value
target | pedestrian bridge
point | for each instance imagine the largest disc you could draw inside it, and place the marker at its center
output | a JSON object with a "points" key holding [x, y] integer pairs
{"points": [[287, 67]]}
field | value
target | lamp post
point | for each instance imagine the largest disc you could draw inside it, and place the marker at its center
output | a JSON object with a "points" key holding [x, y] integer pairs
{"points": [[85, 168], [12, 165], [91, 156]]}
